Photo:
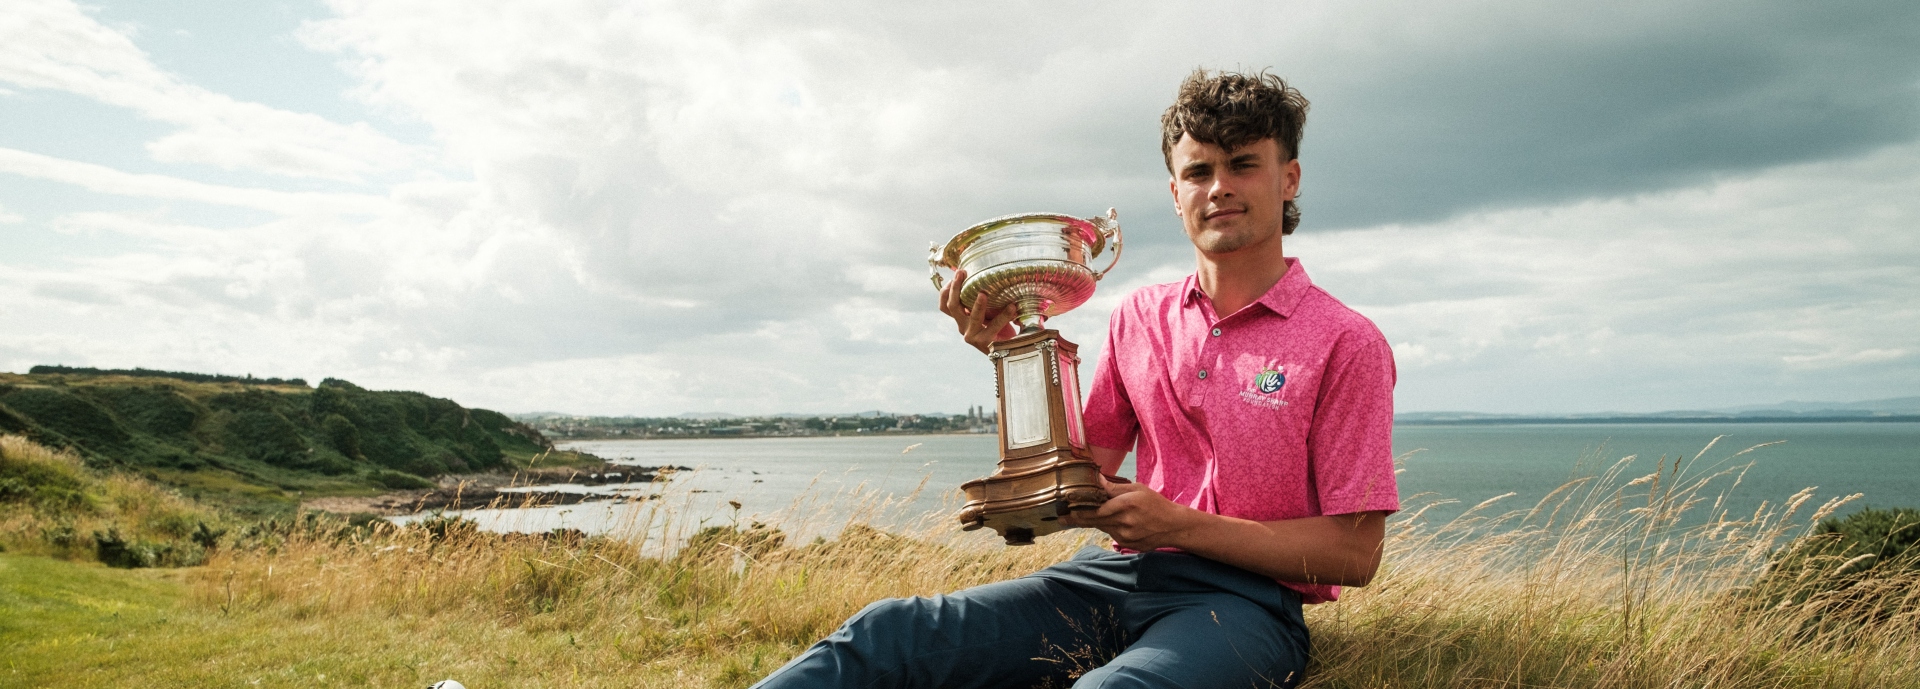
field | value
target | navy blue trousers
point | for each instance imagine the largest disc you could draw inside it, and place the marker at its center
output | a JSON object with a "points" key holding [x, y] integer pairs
{"points": [[1101, 619]]}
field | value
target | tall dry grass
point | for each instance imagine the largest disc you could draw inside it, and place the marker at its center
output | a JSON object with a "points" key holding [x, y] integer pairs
{"points": [[1631, 578], [729, 604], [1620, 580], [52, 504]]}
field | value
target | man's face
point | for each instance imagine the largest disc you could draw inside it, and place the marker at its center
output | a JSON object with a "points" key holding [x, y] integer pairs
{"points": [[1230, 200]]}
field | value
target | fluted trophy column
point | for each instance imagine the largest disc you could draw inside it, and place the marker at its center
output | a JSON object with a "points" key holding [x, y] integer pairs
{"points": [[1035, 264]]}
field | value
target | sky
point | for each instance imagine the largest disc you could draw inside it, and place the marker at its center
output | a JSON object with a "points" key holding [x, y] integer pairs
{"points": [[653, 208]]}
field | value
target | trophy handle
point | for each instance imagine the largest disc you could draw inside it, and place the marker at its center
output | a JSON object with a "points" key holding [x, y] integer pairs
{"points": [[1109, 228], [933, 265]]}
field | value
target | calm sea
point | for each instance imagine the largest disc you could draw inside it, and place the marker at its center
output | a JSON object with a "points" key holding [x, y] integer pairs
{"points": [[816, 482]]}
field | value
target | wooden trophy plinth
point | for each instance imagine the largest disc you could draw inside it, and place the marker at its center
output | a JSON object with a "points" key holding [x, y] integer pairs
{"points": [[1045, 467]]}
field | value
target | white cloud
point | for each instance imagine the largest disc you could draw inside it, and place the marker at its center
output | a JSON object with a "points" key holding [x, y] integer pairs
{"points": [[53, 44], [110, 181]]}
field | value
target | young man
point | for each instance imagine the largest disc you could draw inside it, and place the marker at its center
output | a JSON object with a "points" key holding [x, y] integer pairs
{"points": [[1261, 409]]}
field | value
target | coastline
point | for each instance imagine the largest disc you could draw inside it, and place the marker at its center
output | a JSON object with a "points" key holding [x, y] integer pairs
{"points": [[522, 488]]}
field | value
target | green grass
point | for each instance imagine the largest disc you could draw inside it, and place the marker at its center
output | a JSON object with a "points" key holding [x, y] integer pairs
{"points": [[67, 623], [486, 610]]}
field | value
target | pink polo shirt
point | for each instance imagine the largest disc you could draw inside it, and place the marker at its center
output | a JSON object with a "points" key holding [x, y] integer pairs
{"points": [[1281, 410]]}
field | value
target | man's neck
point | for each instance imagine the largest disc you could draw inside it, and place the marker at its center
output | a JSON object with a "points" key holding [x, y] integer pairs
{"points": [[1235, 279]]}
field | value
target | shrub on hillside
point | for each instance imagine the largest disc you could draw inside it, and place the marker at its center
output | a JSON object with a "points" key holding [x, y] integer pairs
{"points": [[342, 435], [75, 417], [46, 482], [267, 437], [11, 422], [398, 480], [50, 499], [1852, 570], [1891, 536], [155, 409], [115, 550]]}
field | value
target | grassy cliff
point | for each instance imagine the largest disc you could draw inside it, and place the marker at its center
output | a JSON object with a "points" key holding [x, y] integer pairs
{"points": [[258, 445]]}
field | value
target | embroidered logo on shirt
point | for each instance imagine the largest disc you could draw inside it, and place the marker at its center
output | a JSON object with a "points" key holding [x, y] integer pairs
{"points": [[1267, 381]]}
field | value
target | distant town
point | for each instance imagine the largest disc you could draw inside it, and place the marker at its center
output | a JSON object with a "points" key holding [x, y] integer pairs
{"points": [[570, 427]]}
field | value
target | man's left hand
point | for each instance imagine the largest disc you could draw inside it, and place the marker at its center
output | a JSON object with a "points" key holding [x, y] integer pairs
{"points": [[1138, 517]]}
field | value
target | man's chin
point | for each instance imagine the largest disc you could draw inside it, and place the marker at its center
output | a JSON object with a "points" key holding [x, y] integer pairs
{"points": [[1223, 242]]}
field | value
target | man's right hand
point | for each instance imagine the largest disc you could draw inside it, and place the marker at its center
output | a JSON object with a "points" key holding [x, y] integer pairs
{"points": [[977, 327]]}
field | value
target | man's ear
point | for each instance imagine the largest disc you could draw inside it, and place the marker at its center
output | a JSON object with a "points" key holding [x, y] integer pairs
{"points": [[1173, 189], [1291, 174]]}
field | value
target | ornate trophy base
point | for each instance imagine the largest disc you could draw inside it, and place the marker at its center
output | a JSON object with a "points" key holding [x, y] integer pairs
{"points": [[1022, 506], [1045, 467]]}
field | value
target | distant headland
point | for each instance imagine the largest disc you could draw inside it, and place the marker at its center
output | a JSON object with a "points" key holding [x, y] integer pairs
{"points": [[262, 446]]}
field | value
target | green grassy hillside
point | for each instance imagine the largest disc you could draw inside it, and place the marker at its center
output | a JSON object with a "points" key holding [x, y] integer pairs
{"points": [[258, 445]]}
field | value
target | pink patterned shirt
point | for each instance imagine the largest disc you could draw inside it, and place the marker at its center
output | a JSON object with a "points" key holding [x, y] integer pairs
{"points": [[1281, 410]]}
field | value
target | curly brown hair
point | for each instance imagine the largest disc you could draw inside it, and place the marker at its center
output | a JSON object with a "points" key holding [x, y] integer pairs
{"points": [[1231, 110]]}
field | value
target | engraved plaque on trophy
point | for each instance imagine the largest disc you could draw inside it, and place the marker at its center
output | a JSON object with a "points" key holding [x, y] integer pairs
{"points": [[1036, 264]]}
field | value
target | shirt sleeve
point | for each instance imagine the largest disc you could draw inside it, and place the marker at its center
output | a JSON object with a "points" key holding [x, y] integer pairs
{"points": [[1109, 414], [1350, 446]]}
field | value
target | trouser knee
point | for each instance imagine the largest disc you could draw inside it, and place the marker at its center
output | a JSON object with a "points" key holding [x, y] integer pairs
{"points": [[885, 628]]}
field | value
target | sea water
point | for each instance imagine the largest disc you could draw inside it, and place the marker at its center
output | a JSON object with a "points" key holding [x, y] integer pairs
{"points": [[815, 485]]}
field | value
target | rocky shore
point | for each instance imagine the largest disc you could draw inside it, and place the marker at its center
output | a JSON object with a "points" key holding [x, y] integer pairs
{"points": [[522, 488]]}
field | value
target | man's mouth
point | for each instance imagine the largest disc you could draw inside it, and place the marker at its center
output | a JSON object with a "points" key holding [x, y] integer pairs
{"points": [[1225, 212]]}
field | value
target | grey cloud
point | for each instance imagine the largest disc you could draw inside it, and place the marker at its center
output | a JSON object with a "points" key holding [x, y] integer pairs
{"points": [[1571, 112], [1519, 104]]}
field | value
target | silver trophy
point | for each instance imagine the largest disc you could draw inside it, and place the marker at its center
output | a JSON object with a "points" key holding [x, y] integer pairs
{"points": [[1036, 264]]}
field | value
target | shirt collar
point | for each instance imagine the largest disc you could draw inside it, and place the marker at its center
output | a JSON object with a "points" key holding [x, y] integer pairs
{"points": [[1281, 298]]}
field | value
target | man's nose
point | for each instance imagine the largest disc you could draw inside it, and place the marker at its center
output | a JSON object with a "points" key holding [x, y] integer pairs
{"points": [[1220, 189]]}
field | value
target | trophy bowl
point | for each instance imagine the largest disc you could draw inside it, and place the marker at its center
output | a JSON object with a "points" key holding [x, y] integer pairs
{"points": [[1035, 263]]}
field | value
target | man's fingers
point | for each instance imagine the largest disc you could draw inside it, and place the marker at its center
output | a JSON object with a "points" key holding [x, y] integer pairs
{"points": [[950, 294], [1087, 520], [1102, 517], [1001, 322], [977, 315]]}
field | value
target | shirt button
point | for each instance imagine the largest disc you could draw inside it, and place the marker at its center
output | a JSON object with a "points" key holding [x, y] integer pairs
{"points": [[1203, 374], [1216, 332]]}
